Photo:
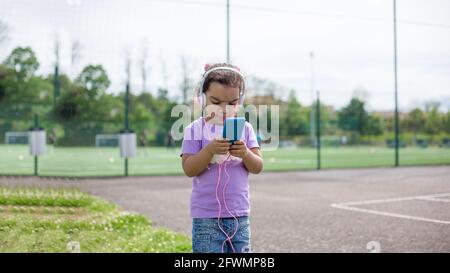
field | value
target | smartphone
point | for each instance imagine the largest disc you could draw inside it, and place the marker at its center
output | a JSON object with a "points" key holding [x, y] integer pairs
{"points": [[232, 128]]}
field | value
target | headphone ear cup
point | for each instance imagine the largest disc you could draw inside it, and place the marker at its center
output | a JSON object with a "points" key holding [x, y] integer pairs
{"points": [[203, 100], [241, 99], [200, 99]]}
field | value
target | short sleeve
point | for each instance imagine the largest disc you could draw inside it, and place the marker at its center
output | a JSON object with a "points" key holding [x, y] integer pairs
{"points": [[191, 144], [251, 141]]}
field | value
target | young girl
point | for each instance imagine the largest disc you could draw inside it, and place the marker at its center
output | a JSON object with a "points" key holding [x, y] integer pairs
{"points": [[220, 204]]}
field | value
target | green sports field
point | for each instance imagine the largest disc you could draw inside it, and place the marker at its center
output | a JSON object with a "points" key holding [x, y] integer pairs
{"points": [[91, 161]]}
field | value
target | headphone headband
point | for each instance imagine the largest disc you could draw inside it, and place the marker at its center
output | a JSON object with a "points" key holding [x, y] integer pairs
{"points": [[222, 68], [201, 95], [241, 91]]}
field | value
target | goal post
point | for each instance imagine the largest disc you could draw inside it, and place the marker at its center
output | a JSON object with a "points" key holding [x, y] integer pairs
{"points": [[107, 140], [16, 137]]}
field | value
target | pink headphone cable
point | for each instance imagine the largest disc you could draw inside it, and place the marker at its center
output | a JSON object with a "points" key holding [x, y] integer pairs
{"points": [[225, 203], [223, 197], [220, 206]]}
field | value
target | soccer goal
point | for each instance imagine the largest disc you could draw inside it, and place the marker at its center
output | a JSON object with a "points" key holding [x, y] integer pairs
{"points": [[104, 140], [16, 137]]}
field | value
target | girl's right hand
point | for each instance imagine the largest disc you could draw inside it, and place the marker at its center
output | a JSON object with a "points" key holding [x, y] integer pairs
{"points": [[218, 146]]}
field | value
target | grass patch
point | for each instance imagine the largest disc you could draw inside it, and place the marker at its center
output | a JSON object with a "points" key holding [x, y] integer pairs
{"points": [[47, 220]]}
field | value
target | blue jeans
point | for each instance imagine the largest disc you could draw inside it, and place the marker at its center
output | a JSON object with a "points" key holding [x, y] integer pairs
{"points": [[207, 237]]}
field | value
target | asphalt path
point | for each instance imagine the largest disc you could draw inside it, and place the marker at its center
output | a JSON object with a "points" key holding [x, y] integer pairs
{"points": [[404, 209]]}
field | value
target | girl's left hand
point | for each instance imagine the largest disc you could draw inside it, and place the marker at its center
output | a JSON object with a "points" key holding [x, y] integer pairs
{"points": [[239, 149]]}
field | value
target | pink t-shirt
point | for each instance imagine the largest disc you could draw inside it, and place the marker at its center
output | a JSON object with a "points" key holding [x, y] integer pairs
{"points": [[203, 198]]}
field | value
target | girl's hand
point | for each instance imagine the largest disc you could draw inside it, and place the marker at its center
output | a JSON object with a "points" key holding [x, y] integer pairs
{"points": [[239, 149], [218, 146]]}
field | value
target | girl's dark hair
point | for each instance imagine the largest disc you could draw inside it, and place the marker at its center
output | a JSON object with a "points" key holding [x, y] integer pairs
{"points": [[224, 77]]}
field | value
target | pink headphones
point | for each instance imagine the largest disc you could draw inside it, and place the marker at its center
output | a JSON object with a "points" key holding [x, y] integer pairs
{"points": [[201, 94]]}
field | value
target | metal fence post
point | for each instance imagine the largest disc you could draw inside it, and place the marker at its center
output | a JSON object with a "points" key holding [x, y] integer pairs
{"points": [[318, 131]]}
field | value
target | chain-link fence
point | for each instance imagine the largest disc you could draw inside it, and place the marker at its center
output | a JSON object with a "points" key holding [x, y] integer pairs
{"points": [[349, 137]]}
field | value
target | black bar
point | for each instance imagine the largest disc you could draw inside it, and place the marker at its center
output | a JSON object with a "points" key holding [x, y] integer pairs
{"points": [[260, 262]]}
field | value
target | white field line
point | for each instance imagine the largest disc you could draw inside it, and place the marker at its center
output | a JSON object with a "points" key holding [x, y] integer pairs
{"points": [[432, 197]]}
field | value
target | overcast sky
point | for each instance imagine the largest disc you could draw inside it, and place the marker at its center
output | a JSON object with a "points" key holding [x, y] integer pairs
{"points": [[352, 42]]}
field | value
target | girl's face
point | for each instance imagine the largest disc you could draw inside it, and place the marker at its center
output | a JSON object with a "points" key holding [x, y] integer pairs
{"points": [[221, 102]]}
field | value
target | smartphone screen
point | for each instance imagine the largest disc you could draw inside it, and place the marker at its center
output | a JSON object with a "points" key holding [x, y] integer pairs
{"points": [[233, 127]]}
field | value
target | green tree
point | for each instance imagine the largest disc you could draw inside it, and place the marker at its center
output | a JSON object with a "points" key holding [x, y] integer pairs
{"points": [[94, 79], [164, 124], [373, 126], [328, 122], [23, 61], [85, 110], [415, 121], [65, 82], [353, 117], [294, 120], [4, 75], [144, 109], [447, 123], [20, 96], [433, 121]]}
